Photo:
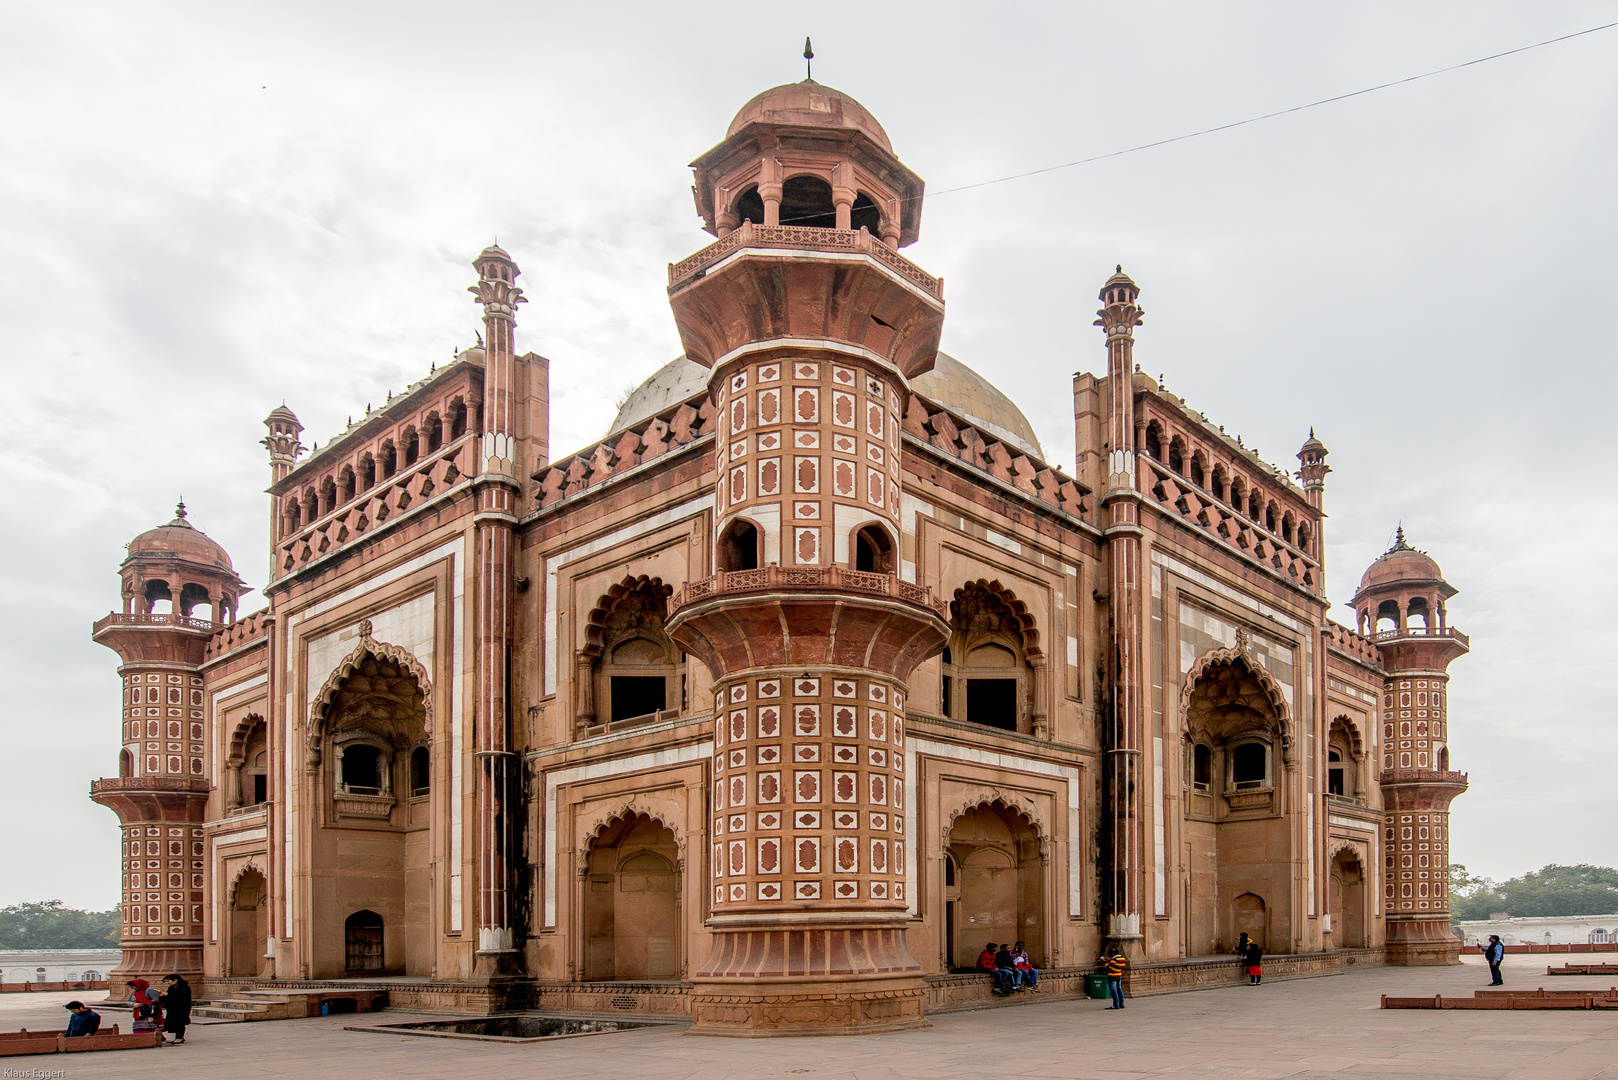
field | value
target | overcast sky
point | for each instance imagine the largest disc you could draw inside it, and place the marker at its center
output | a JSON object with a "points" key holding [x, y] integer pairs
{"points": [[208, 209]]}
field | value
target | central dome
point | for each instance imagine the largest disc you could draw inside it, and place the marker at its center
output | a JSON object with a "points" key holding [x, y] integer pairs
{"points": [[809, 104], [950, 383]]}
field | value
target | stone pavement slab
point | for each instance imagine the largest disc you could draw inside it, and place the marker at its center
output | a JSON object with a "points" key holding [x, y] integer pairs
{"points": [[1314, 1029]]}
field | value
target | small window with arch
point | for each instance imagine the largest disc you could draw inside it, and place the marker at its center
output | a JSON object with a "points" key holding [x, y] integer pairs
{"points": [[421, 772], [738, 546], [873, 550], [1201, 767]]}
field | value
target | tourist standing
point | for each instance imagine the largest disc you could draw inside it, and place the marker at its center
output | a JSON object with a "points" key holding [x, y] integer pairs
{"points": [[84, 1021], [1116, 964], [176, 1006], [1494, 952], [1255, 963]]}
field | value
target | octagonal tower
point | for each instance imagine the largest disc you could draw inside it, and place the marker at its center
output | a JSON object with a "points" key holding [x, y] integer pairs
{"points": [[161, 789], [1406, 587], [812, 326]]}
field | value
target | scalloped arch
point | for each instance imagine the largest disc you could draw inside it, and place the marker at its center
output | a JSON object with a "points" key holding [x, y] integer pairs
{"points": [[1351, 730], [368, 646], [239, 737], [595, 628], [1018, 611], [235, 882], [1340, 845], [634, 806], [1236, 655], [1019, 803]]}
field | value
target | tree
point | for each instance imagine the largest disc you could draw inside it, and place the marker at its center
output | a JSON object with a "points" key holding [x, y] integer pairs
{"points": [[1549, 891], [47, 924]]}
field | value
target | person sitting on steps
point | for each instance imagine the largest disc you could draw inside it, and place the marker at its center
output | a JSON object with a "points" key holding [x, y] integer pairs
{"points": [[1008, 965], [1027, 974], [1002, 979]]}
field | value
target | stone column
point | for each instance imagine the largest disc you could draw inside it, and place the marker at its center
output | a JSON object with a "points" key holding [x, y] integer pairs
{"points": [[497, 490], [1119, 316]]}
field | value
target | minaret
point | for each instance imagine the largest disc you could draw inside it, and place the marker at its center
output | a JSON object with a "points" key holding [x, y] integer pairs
{"points": [[161, 789], [1312, 470], [812, 331], [284, 447], [1407, 587], [1119, 315], [497, 490]]}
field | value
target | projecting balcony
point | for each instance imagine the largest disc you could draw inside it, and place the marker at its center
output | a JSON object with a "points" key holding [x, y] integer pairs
{"points": [[127, 785], [801, 238], [1418, 632], [832, 579], [165, 620]]}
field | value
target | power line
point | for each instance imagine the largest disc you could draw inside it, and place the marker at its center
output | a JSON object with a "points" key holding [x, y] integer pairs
{"points": [[1273, 115]]}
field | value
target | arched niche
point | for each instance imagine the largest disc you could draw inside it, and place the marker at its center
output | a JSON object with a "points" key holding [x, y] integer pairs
{"points": [[629, 669], [992, 667], [629, 912], [994, 885]]}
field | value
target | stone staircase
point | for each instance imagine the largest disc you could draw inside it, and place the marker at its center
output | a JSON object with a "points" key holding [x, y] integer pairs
{"points": [[250, 1005]]}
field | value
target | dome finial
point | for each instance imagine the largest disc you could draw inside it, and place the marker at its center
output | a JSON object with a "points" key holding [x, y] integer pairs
{"points": [[808, 61], [179, 509], [1399, 543]]}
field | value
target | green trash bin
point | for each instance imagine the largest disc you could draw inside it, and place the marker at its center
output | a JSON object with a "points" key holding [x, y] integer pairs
{"points": [[1095, 986]]}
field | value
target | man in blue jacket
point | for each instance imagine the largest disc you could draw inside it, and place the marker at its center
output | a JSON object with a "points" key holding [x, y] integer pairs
{"points": [[84, 1021], [1494, 953]]}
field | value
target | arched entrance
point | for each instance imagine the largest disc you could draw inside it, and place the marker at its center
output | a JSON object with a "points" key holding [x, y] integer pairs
{"points": [[1347, 900], [249, 925], [999, 890], [631, 907], [363, 949], [1237, 840], [370, 850]]}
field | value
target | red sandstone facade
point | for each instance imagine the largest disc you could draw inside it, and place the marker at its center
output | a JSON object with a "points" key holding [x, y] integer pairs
{"points": [[811, 677]]}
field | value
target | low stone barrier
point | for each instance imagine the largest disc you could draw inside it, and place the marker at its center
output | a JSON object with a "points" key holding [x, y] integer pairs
{"points": [[17, 1043], [1583, 969], [1511, 999], [46, 987]]}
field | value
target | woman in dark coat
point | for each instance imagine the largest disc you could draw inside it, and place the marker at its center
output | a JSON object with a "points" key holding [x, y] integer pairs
{"points": [[1255, 961], [176, 1006]]}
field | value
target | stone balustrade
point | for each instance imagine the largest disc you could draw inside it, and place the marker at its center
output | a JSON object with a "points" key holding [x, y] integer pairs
{"points": [[826, 578], [183, 622], [802, 238], [1422, 632]]}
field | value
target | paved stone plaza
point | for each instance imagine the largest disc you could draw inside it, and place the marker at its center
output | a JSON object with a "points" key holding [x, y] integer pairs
{"points": [[1303, 1030]]}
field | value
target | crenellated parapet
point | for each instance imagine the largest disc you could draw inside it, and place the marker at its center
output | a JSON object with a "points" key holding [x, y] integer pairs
{"points": [[926, 422], [233, 636], [624, 450]]}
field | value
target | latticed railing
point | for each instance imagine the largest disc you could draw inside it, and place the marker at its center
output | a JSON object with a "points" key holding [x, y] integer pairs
{"points": [[1179, 495], [184, 622], [798, 237], [833, 578], [1422, 631]]}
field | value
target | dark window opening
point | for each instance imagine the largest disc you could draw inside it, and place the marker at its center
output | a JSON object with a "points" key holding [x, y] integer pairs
{"points": [[412, 446], [1250, 765], [738, 548], [638, 695], [750, 207], [346, 483], [420, 772], [1201, 768], [457, 419], [1443, 759], [1197, 476], [261, 788], [435, 433], [1177, 456], [367, 473], [389, 459], [362, 769], [865, 215], [806, 202], [1154, 443], [1334, 782], [362, 942], [949, 870], [126, 763], [873, 551], [992, 703]]}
